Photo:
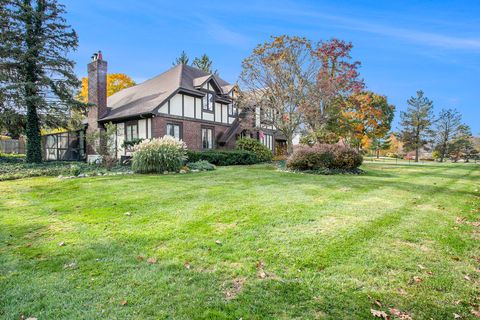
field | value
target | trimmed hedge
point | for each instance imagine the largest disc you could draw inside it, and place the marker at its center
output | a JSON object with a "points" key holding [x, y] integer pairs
{"points": [[223, 157], [201, 165], [253, 145], [324, 156]]}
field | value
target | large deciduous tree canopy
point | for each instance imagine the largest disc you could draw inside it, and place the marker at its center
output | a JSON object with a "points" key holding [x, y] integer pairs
{"points": [[36, 77], [446, 128], [366, 116], [337, 78], [115, 82], [275, 79]]}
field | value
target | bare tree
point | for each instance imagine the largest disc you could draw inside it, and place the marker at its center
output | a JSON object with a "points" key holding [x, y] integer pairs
{"points": [[447, 126], [275, 80]]}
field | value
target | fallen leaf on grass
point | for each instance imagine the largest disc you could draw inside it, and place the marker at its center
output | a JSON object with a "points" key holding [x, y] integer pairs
{"points": [[400, 314], [378, 303], [421, 267], [467, 278], [416, 280], [218, 242], [140, 258], [261, 274], [187, 265], [457, 316], [456, 258], [476, 313], [127, 214], [379, 314], [152, 260], [402, 292], [61, 244], [123, 302]]}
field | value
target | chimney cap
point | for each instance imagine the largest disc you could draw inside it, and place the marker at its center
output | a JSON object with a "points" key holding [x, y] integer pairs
{"points": [[97, 56]]}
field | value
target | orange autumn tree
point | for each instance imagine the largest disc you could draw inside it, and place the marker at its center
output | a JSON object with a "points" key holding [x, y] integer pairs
{"points": [[365, 116], [115, 83]]}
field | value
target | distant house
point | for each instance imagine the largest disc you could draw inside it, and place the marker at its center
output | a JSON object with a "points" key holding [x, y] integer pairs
{"points": [[183, 102]]}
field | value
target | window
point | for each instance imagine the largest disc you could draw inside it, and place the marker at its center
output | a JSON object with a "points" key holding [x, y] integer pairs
{"points": [[131, 130], [174, 130], [208, 101], [267, 140], [232, 110], [207, 138]]}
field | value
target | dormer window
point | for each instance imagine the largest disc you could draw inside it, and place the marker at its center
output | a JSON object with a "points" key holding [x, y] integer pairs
{"points": [[208, 101]]}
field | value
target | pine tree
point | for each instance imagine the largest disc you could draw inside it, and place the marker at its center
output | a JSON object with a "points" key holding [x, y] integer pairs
{"points": [[36, 77], [182, 59], [462, 145], [447, 126], [204, 63], [416, 123]]}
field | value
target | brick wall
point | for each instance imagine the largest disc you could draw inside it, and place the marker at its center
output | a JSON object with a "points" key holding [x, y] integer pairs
{"points": [[191, 131]]}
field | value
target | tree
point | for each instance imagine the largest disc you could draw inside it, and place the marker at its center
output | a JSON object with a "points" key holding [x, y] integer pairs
{"points": [[416, 123], [115, 82], [395, 145], [336, 79], [461, 146], [182, 59], [380, 143], [204, 63], [447, 126], [366, 116], [274, 80], [37, 79]]}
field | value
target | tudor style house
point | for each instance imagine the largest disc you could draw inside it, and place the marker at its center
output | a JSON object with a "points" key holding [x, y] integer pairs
{"points": [[184, 102]]}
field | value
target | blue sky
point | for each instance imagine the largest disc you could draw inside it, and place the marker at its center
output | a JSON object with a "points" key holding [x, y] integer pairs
{"points": [[404, 46]]}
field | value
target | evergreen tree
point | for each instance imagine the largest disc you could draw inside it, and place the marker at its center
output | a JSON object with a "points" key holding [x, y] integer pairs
{"points": [[204, 63], [182, 59], [36, 78], [416, 123], [378, 144], [447, 126], [462, 145]]}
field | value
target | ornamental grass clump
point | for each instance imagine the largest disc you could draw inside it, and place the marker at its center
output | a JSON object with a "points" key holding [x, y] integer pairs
{"points": [[159, 155]]}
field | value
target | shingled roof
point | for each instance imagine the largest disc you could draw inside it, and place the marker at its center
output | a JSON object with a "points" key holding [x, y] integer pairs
{"points": [[145, 97]]}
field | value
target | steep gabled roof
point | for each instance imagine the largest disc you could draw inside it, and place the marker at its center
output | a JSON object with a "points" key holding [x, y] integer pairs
{"points": [[145, 97]]}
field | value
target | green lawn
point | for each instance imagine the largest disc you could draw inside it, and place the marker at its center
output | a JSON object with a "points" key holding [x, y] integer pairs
{"points": [[243, 242]]}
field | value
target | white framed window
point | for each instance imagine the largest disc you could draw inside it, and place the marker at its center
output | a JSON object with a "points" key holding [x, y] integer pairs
{"points": [[208, 102], [267, 140], [131, 130], [174, 130], [207, 138]]}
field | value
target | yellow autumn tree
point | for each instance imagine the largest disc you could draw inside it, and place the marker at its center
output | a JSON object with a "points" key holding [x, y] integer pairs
{"points": [[366, 116], [115, 83]]}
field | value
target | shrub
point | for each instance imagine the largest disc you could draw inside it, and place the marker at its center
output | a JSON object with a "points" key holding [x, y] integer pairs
{"points": [[159, 155], [75, 170], [224, 157], [324, 156], [201, 165], [256, 147]]}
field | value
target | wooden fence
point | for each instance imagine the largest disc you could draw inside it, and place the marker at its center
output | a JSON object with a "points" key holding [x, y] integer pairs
{"points": [[12, 146]]}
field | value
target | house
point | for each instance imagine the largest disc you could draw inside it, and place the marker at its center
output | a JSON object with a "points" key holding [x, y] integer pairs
{"points": [[184, 102]]}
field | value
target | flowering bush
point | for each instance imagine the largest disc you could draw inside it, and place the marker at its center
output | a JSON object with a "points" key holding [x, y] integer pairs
{"points": [[324, 156], [159, 155]]}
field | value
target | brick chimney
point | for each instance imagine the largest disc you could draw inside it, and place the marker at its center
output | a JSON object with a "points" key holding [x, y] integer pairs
{"points": [[97, 90]]}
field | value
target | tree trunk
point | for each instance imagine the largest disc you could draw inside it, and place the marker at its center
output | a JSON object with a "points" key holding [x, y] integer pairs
{"points": [[289, 145], [416, 154], [34, 146], [378, 154]]}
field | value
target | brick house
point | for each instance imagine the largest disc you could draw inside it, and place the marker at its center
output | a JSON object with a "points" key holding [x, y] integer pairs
{"points": [[183, 102]]}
